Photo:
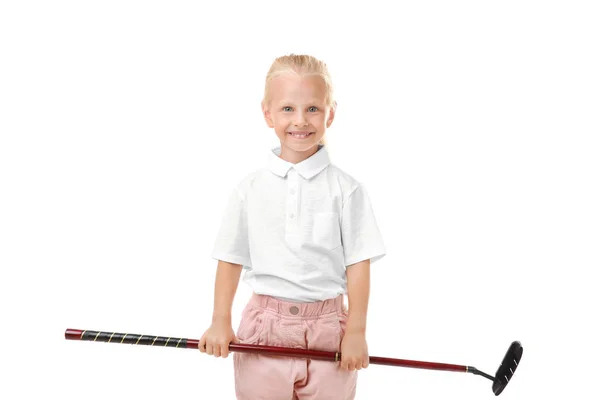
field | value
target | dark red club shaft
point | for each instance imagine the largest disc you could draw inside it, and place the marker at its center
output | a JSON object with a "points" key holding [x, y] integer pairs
{"points": [[76, 334]]}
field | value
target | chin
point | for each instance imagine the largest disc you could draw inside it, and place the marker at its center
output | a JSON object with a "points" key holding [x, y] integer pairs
{"points": [[301, 146]]}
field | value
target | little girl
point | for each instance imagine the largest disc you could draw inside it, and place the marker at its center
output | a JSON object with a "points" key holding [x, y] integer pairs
{"points": [[305, 234]]}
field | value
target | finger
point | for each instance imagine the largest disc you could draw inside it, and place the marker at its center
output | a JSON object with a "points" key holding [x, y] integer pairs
{"points": [[344, 365], [349, 365], [217, 350], [202, 345], [224, 350], [209, 349]]}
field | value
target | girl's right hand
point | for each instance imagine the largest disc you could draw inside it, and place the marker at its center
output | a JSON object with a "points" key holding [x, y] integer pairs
{"points": [[216, 339]]}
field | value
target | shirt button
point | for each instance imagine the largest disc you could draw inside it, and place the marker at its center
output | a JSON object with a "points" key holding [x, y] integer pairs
{"points": [[292, 191], [294, 310], [292, 215]]}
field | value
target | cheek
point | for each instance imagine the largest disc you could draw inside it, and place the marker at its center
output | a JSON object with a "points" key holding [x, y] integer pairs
{"points": [[281, 124], [318, 120], [284, 121]]}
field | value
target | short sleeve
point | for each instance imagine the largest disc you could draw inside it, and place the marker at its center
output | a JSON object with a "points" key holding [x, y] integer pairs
{"points": [[361, 238], [232, 243]]}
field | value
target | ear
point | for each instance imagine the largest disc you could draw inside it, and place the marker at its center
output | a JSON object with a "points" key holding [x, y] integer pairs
{"points": [[331, 114], [267, 115]]}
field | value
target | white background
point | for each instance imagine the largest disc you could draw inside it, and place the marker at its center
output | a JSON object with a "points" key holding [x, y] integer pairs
{"points": [[473, 125]]}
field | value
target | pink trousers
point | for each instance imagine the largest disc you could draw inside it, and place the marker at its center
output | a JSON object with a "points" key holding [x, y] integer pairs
{"points": [[316, 326]]}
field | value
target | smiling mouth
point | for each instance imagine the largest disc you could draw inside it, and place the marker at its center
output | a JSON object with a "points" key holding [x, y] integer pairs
{"points": [[300, 135]]}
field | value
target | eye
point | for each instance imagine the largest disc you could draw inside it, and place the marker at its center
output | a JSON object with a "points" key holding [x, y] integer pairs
{"points": [[287, 108], [313, 109]]}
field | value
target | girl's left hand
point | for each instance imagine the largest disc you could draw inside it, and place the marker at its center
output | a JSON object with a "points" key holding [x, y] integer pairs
{"points": [[355, 354]]}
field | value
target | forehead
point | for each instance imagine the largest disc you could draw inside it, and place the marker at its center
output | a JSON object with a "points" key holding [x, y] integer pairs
{"points": [[291, 87]]}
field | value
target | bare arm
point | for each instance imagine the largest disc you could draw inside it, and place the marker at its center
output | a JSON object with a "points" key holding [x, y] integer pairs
{"points": [[355, 354], [216, 339], [358, 281], [226, 284]]}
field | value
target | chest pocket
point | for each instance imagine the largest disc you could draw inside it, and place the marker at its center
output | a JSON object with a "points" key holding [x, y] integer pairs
{"points": [[326, 230]]}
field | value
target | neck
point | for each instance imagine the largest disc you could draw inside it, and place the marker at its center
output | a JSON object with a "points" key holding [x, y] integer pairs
{"points": [[294, 156]]}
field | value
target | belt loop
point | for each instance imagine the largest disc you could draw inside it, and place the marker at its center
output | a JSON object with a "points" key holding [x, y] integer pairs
{"points": [[264, 301], [276, 304]]}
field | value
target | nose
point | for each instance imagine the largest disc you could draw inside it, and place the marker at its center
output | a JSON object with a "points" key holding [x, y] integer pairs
{"points": [[300, 119]]}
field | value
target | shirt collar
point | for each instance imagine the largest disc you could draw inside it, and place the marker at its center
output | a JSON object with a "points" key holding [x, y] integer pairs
{"points": [[307, 168]]}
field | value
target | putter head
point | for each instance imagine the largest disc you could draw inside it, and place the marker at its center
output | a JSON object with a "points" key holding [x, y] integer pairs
{"points": [[507, 367]]}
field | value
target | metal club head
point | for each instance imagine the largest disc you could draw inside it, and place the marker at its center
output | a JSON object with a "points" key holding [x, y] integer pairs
{"points": [[507, 367]]}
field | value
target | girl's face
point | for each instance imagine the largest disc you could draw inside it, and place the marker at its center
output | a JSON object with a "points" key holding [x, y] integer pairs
{"points": [[298, 112]]}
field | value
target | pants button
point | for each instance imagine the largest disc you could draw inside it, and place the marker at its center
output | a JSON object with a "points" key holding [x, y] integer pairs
{"points": [[294, 310]]}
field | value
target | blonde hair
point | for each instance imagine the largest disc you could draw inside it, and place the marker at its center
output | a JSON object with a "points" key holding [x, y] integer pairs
{"points": [[302, 65]]}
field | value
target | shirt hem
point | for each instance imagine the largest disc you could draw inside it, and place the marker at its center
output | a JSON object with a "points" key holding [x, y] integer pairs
{"points": [[373, 256], [231, 258]]}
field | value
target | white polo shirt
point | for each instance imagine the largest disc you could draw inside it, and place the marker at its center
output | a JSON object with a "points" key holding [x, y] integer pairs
{"points": [[296, 227]]}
